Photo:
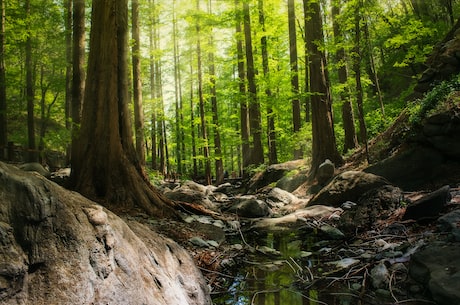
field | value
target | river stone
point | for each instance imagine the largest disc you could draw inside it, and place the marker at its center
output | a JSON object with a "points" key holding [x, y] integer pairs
{"points": [[61, 248], [250, 208], [347, 186], [450, 222], [438, 268]]}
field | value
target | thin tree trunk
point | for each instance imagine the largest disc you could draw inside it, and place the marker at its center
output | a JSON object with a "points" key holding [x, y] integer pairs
{"points": [[153, 119], [204, 135], [357, 70], [32, 155], [324, 145], [137, 83], [350, 140], [68, 72], [3, 104], [177, 93], [307, 65], [78, 70], [271, 133], [244, 113], [192, 125], [257, 153], [296, 120]]}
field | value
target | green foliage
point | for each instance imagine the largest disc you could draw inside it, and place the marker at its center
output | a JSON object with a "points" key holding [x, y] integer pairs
{"points": [[432, 99]]}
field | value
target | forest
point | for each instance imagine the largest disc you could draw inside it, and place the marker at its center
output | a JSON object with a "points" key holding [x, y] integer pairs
{"points": [[220, 88]]}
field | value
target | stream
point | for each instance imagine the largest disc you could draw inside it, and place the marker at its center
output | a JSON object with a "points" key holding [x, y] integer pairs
{"points": [[279, 272]]}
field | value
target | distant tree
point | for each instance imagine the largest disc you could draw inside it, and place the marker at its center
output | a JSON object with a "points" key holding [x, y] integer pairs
{"points": [[78, 67], [3, 122], [32, 155], [296, 120], [324, 145], [350, 141], [244, 113], [272, 152], [257, 152], [105, 166], [137, 83]]}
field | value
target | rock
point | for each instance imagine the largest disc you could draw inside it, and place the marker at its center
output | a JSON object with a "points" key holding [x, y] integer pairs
{"points": [[380, 276], [192, 196], [331, 232], [377, 204], [325, 172], [450, 222], [347, 186], [294, 220], [437, 267], [291, 182], [272, 174], [35, 167], [429, 206], [61, 248], [250, 208], [277, 195], [411, 168]]}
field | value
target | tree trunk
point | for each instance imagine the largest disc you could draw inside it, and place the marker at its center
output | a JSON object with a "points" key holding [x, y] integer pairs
{"points": [[324, 145], [204, 134], [296, 120], [177, 93], [350, 141], [32, 155], [3, 122], [68, 72], [137, 84], [153, 118], [244, 113], [78, 70], [307, 65], [110, 171], [257, 153], [215, 114], [357, 70], [192, 125], [271, 133]]}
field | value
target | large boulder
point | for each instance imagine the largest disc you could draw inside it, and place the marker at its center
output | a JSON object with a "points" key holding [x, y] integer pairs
{"points": [[438, 268], [272, 174], [347, 186], [58, 247]]}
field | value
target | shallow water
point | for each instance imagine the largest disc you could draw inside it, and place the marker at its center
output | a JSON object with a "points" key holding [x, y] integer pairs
{"points": [[273, 279]]}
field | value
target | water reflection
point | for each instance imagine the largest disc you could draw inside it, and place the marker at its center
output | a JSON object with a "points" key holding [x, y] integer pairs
{"points": [[269, 279]]}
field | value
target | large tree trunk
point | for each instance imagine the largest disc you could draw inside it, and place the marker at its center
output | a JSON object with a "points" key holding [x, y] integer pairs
{"points": [[324, 145], [68, 71], [105, 166], [3, 125], [294, 74]]}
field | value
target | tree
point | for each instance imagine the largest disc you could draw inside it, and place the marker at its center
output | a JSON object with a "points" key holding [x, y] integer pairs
{"points": [[324, 145], [3, 122], [137, 84], [257, 152], [105, 166], [30, 94], [78, 68], [350, 140], [294, 74], [272, 153]]}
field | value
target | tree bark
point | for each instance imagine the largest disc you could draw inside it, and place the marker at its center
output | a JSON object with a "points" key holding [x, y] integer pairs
{"points": [[105, 167], [32, 155], [244, 113], [296, 120], [78, 70], [324, 145], [257, 153], [271, 133], [137, 83], [350, 141], [3, 104]]}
